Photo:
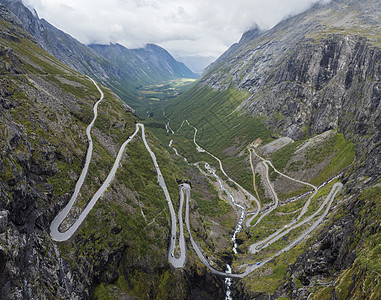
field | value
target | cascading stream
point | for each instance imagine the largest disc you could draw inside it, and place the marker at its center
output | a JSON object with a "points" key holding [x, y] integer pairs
{"points": [[228, 280]]}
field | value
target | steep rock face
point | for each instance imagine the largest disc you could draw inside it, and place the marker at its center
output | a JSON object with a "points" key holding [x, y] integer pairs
{"points": [[27, 198], [321, 80], [26, 18], [58, 43], [314, 72]]}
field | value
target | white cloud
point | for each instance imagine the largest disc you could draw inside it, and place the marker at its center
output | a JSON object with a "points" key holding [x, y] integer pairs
{"points": [[185, 27]]}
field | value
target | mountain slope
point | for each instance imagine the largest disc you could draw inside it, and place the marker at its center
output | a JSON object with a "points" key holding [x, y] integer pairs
{"points": [[151, 64], [312, 73], [305, 55], [121, 248], [72, 52], [307, 75]]}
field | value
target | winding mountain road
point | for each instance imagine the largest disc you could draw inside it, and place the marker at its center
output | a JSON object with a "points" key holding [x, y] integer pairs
{"points": [[55, 233], [184, 190], [276, 202], [200, 149], [282, 232], [59, 236]]}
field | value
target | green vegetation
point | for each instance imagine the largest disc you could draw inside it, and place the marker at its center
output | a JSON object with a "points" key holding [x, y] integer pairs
{"points": [[160, 286], [132, 214], [128, 228], [152, 97], [344, 154], [212, 113], [261, 190], [362, 280], [319, 198], [218, 125], [167, 90], [372, 33], [142, 221], [323, 294], [273, 275], [333, 153], [281, 157], [212, 208], [336, 149]]}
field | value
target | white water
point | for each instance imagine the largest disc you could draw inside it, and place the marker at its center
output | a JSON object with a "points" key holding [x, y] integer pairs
{"points": [[228, 280], [234, 202], [228, 283], [176, 152]]}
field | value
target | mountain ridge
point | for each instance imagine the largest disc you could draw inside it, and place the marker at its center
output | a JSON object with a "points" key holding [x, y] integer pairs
{"points": [[89, 62], [150, 64]]}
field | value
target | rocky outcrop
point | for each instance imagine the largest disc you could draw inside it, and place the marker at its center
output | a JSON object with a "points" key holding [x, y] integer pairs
{"points": [[312, 73], [9, 62], [338, 248], [328, 256], [27, 200]]}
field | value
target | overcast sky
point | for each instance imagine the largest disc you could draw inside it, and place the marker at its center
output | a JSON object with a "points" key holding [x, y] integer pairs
{"points": [[183, 27]]}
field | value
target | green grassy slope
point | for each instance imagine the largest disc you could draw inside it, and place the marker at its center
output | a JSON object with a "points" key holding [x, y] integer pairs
{"points": [[121, 247], [221, 129]]}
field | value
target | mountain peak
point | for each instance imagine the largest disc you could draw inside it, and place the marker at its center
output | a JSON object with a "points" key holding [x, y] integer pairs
{"points": [[250, 34]]}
